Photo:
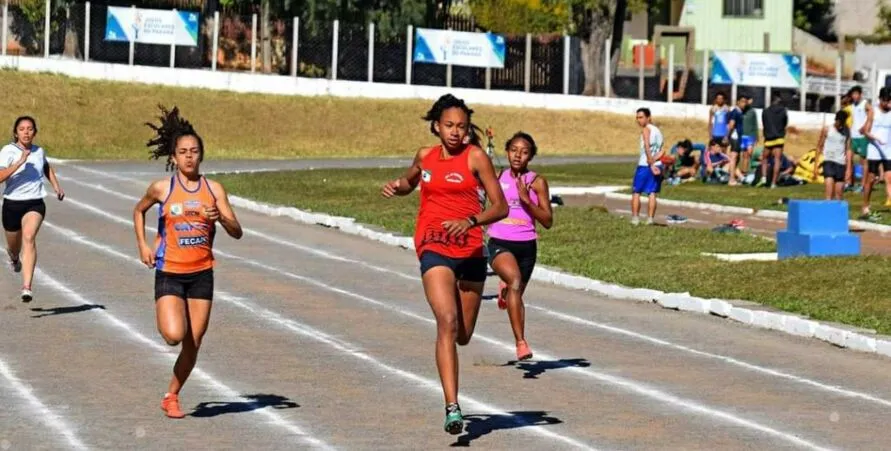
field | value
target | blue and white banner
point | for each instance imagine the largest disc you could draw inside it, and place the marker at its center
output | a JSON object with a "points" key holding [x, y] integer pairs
{"points": [[459, 48], [777, 70], [151, 26]]}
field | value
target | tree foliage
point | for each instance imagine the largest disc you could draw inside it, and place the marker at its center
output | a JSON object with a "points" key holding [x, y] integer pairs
{"points": [[883, 28], [815, 17]]}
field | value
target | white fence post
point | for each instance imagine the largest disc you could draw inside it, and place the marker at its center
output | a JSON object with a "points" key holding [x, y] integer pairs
{"points": [[5, 26], [408, 54], [838, 77], [216, 41], [46, 27], [371, 52], [253, 42], [606, 67], [334, 49], [295, 41], [133, 41], [734, 89], [173, 45], [527, 67], [669, 89], [641, 87], [449, 66], [566, 49], [767, 96], [86, 31], [705, 53], [803, 82]]}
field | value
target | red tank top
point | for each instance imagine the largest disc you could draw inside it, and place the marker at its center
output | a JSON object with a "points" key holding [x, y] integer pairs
{"points": [[449, 191], [184, 243]]}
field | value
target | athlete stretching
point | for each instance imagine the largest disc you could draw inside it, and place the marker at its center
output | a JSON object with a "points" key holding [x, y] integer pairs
{"points": [[190, 207]]}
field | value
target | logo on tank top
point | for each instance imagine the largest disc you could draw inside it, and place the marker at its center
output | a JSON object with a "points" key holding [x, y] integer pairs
{"points": [[454, 177], [176, 209], [426, 175]]}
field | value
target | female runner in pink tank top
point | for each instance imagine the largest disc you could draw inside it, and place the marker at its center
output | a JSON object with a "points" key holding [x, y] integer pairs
{"points": [[513, 241]]}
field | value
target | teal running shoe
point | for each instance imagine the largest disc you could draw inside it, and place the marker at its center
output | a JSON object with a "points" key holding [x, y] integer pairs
{"points": [[454, 421]]}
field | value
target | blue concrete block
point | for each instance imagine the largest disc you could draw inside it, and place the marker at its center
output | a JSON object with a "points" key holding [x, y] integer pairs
{"points": [[790, 244], [817, 216]]}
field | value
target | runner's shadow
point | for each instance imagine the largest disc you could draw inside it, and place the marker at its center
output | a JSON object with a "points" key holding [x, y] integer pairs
{"points": [[65, 310], [477, 426], [259, 401], [534, 369]]}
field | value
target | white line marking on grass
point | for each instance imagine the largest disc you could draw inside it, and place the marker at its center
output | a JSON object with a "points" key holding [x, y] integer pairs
{"points": [[626, 384], [554, 313], [46, 415], [340, 345], [220, 387]]}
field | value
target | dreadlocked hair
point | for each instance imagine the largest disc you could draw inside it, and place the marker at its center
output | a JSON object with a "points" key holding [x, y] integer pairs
{"points": [[449, 101], [167, 134]]}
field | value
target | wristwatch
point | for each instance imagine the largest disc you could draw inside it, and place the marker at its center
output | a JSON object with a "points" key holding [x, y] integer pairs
{"points": [[473, 221]]}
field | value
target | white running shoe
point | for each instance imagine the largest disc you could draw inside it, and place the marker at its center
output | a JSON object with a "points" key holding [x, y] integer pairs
{"points": [[27, 295], [635, 220]]}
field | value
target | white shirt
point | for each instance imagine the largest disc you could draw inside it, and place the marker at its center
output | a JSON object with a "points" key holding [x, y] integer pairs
{"points": [[858, 110], [26, 183], [881, 129], [655, 145]]}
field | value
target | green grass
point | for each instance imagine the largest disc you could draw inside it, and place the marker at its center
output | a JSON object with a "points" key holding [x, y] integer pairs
{"points": [[85, 119], [590, 242]]}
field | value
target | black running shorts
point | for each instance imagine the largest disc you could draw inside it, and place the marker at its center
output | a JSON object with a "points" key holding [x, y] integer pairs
{"points": [[874, 165], [834, 171], [198, 285], [471, 269], [525, 252], [15, 210]]}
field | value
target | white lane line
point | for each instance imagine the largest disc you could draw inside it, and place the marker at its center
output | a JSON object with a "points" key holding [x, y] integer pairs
{"points": [[45, 414], [340, 345], [200, 374], [564, 316], [628, 385]]}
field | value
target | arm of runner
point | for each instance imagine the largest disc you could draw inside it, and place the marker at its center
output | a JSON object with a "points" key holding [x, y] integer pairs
{"points": [[151, 197], [10, 164], [645, 136], [711, 121], [50, 174], [223, 211], [543, 213], [868, 124], [410, 178]]}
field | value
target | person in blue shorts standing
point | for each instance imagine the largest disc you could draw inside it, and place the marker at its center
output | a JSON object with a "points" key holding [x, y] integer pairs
{"points": [[648, 176]]}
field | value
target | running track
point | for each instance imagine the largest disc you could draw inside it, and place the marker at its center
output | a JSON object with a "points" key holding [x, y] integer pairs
{"points": [[323, 340]]}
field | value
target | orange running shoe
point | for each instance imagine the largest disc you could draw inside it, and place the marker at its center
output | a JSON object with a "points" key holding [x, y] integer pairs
{"points": [[170, 405], [523, 351], [502, 288]]}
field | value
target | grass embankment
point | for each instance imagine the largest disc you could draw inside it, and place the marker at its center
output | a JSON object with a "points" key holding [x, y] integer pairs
{"points": [[86, 119], [593, 243]]}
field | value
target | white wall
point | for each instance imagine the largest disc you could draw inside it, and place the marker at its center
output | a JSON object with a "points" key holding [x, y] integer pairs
{"points": [[280, 85]]}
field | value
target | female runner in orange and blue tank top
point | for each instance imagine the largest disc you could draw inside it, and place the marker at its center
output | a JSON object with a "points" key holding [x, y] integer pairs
{"points": [[448, 233], [190, 207]]}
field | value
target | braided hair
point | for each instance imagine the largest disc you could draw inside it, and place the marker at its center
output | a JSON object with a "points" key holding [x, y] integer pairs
{"points": [[167, 134], [449, 101]]}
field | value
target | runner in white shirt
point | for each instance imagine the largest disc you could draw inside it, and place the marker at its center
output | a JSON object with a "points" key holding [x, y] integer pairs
{"points": [[878, 154], [23, 167]]}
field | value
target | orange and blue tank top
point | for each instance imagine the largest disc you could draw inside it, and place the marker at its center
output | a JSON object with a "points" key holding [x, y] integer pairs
{"points": [[184, 243], [449, 190]]}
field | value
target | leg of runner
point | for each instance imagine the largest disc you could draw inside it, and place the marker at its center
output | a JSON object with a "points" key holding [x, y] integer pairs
{"points": [[30, 226], [868, 181], [777, 164], [507, 268], [183, 322], [14, 249]]}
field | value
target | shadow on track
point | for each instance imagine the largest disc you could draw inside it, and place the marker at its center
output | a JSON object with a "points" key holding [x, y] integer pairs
{"points": [[65, 310], [258, 401], [534, 369], [477, 426]]}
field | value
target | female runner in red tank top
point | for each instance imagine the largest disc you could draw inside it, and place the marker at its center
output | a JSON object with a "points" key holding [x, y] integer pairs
{"points": [[448, 234], [190, 207]]}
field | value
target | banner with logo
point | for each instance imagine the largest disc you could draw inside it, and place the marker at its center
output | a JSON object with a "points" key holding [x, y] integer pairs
{"points": [[459, 48], [151, 26], [777, 70]]}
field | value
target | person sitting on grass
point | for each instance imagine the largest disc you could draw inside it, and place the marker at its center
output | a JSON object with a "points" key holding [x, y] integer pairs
{"points": [[787, 168], [685, 165], [715, 162]]}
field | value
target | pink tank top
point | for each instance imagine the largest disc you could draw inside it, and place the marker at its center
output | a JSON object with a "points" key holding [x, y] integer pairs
{"points": [[519, 225]]}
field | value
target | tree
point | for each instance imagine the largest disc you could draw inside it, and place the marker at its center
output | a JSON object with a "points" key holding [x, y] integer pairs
{"points": [[815, 17], [883, 29], [592, 21]]}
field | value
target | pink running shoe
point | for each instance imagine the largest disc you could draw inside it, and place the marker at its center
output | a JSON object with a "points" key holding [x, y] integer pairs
{"points": [[523, 351], [502, 288]]}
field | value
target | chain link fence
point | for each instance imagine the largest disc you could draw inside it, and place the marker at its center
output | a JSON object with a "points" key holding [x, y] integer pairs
{"points": [[229, 41]]}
